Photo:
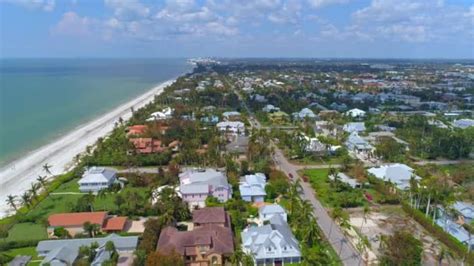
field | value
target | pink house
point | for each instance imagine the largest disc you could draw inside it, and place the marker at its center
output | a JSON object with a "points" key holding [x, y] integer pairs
{"points": [[197, 185]]}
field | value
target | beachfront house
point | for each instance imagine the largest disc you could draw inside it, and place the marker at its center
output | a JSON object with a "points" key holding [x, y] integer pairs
{"points": [[66, 251], [207, 243], [197, 184], [164, 114], [252, 187], [95, 179], [74, 222], [272, 243], [398, 174]]}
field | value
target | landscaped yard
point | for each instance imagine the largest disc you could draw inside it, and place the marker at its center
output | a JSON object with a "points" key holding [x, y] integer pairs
{"points": [[71, 186], [27, 231], [107, 202]]}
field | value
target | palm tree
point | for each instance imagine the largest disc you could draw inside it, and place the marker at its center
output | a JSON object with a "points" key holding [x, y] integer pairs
{"points": [[47, 168], [293, 195], [41, 180], [11, 201], [311, 232], [26, 198], [34, 189], [306, 210]]}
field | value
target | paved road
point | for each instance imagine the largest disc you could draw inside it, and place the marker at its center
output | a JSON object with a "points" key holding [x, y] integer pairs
{"points": [[331, 230], [340, 243]]}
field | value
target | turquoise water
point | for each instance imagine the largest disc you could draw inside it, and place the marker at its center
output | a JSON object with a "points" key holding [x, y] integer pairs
{"points": [[40, 99]]}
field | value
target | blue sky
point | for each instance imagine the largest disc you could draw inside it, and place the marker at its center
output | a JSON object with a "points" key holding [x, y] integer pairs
{"points": [[237, 28]]}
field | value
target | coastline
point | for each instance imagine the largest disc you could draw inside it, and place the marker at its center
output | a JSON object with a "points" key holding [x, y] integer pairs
{"points": [[17, 176]]}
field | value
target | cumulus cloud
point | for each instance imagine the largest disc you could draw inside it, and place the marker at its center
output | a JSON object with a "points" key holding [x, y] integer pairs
{"points": [[128, 9], [322, 3], [45, 5], [72, 24]]}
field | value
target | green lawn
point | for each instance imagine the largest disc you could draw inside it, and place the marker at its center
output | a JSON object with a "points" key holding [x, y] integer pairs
{"points": [[27, 231], [107, 203], [334, 195], [28, 251], [71, 186], [53, 204]]}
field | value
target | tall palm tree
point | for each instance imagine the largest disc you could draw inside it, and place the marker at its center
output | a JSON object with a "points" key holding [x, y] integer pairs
{"points": [[47, 168], [41, 180], [26, 198], [34, 189], [11, 200], [311, 232], [293, 195]]}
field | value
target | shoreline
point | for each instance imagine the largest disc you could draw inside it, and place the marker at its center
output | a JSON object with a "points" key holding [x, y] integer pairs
{"points": [[16, 177]]}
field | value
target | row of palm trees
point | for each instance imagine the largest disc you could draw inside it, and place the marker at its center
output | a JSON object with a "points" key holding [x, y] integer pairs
{"points": [[27, 198]]}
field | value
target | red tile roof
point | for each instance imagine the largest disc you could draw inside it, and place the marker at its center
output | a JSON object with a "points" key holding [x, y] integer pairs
{"points": [[76, 219], [147, 145], [115, 224], [137, 129]]}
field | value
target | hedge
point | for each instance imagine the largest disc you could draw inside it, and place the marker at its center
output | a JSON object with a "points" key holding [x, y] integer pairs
{"points": [[439, 233], [7, 245]]}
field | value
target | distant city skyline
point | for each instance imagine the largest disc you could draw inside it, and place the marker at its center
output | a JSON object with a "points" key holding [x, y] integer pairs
{"points": [[228, 28]]}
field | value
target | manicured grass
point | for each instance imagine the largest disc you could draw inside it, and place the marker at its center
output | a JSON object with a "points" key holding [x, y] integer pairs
{"points": [[107, 203], [318, 179], [28, 251], [27, 231], [53, 204], [70, 186]]}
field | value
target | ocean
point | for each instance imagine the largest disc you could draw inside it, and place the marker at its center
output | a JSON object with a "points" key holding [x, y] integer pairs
{"points": [[42, 99]]}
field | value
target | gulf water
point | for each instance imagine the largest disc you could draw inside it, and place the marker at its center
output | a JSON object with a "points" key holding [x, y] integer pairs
{"points": [[41, 99]]}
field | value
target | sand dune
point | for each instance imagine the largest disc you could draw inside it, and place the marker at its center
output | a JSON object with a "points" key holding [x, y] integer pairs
{"points": [[17, 177]]}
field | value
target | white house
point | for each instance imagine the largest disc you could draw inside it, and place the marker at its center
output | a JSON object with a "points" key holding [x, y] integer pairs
{"points": [[97, 178], [355, 113], [463, 123], [269, 108], [272, 243], [232, 127], [266, 212], [346, 179], [196, 185], [164, 114], [399, 174], [304, 113], [252, 187]]}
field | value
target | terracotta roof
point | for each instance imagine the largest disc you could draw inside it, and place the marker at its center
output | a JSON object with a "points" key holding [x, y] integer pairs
{"points": [[76, 219], [210, 215], [115, 224], [137, 129], [219, 238], [147, 145]]}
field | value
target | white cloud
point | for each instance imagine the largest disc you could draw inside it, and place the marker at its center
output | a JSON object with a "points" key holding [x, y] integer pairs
{"points": [[322, 3], [128, 9], [73, 25], [45, 5]]}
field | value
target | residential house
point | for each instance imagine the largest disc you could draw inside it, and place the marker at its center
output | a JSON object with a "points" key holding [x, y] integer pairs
{"points": [[357, 144], [211, 216], [398, 174], [278, 117], [231, 127], [197, 185], [74, 222], [354, 127], [252, 187], [210, 242], [150, 145], [266, 212], [463, 123], [465, 209], [272, 243], [65, 251], [270, 108], [95, 179], [355, 113], [231, 116], [164, 114], [305, 113], [449, 224]]}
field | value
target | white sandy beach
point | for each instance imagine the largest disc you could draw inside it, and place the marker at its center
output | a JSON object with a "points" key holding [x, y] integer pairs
{"points": [[17, 177]]}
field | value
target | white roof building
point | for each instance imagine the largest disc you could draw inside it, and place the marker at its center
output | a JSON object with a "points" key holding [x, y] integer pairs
{"points": [[354, 127], [233, 127], [252, 187], [164, 114], [399, 174], [96, 178], [355, 113], [463, 123]]}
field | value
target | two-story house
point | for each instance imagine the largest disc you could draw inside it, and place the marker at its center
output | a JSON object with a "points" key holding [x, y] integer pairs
{"points": [[252, 187], [96, 179], [197, 184], [272, 243]]}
